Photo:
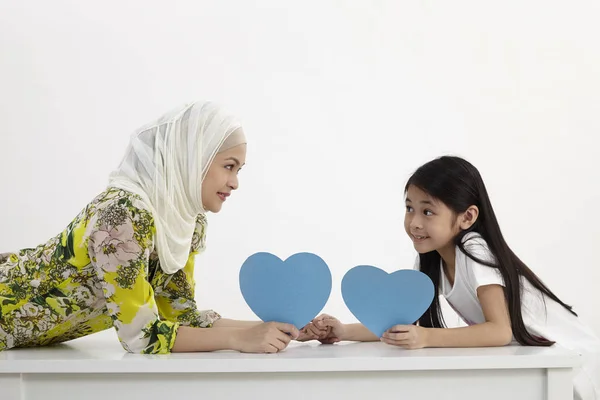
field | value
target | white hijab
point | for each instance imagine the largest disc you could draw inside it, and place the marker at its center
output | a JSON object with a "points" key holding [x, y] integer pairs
{"points": [[165, 164]]}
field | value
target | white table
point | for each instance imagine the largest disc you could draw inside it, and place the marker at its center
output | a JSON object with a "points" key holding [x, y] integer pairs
{"points": [[96, 367]]}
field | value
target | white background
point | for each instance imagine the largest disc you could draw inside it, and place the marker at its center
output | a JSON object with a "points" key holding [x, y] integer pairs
{"points": [[341, 100]]}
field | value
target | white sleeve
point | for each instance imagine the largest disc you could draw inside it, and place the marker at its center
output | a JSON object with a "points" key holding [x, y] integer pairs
{"points": [[480, 274], [417, 264]]}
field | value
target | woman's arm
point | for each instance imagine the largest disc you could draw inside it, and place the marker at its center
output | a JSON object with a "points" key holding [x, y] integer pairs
{"points": [[234, 323], [268, 337], [190, 339]]}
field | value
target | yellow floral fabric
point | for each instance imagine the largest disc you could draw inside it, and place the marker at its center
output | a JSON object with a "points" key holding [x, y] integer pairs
{"points": [[101, 271]]}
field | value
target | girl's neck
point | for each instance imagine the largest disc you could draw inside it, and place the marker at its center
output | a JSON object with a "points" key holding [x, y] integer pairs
{"points": [[448, 255]]}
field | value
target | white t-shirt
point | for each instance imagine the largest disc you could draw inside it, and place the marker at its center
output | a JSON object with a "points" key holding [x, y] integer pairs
{"points": [[547, 319]]}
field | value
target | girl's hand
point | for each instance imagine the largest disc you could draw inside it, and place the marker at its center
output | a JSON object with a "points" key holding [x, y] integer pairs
{"points": [[406, 336], [310, 332], [330, 328]]}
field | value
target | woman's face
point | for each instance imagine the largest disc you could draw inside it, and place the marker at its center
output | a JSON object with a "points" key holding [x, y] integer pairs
{"points": [[222, 177]]}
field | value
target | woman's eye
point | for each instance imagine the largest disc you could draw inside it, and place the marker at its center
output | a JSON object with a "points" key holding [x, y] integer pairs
{"points": [[409, 209], [429, 213]]}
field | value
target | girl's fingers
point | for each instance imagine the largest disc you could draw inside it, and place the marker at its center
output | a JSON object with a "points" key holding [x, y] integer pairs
{"points": [[330, 340], [396, 336], [400, 343]]}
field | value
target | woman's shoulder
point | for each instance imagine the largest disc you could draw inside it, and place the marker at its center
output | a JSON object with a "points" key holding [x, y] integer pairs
{"points": [[120, 231], [114, 199], [119, 210], [199, 236]]}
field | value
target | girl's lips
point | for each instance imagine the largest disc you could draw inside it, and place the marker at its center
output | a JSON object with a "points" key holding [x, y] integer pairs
{"points": [[419, 238]]}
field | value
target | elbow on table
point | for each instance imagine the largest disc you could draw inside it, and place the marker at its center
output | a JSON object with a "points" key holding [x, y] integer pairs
{"points": [[159, 339], [132, 346], [504, 336]]}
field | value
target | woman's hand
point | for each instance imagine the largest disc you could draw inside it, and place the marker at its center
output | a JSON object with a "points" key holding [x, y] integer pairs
{"points": [[270, 337], [327, 329]]}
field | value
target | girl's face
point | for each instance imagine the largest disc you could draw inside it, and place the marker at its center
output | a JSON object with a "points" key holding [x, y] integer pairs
{"points": [[222, 177], [430, 224]]}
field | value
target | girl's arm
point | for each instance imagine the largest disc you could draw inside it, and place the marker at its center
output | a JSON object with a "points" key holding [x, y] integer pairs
{"points": [[358, 333], [329, 329], [496, 331]]}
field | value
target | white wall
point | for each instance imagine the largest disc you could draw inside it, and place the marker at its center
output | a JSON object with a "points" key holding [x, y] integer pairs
{"points": [[342, 100]]}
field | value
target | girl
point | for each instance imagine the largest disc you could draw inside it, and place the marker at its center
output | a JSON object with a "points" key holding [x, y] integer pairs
{"points": [[450, 219], [127, 260]]}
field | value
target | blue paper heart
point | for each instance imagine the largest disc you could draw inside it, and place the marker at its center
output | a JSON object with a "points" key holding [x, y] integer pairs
{"points": [[293, 291], [380, 300]]}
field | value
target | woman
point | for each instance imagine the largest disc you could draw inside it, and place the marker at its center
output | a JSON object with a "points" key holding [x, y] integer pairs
{"points": [[127, 259]]}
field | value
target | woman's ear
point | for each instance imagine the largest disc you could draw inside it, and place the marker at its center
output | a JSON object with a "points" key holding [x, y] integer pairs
{"points": [[469, 217]]}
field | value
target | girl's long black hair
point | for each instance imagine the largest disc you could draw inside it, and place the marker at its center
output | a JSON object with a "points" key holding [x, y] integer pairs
{"points": [[458, 184]]}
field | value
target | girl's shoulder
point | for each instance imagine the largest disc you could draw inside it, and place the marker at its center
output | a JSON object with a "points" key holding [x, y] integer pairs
{"points": [[473, 237], [474, 240], [477, 246]]}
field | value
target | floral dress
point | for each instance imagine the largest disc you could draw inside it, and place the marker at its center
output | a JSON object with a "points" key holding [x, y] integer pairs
{"points": [[101, 271]]}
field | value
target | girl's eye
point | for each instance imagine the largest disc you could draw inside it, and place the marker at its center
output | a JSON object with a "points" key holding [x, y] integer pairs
{"points": [[229, 167], [428, 213], [409, 209]]}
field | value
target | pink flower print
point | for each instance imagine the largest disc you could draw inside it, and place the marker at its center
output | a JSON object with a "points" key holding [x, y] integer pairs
{"points": [[114, 247]]}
